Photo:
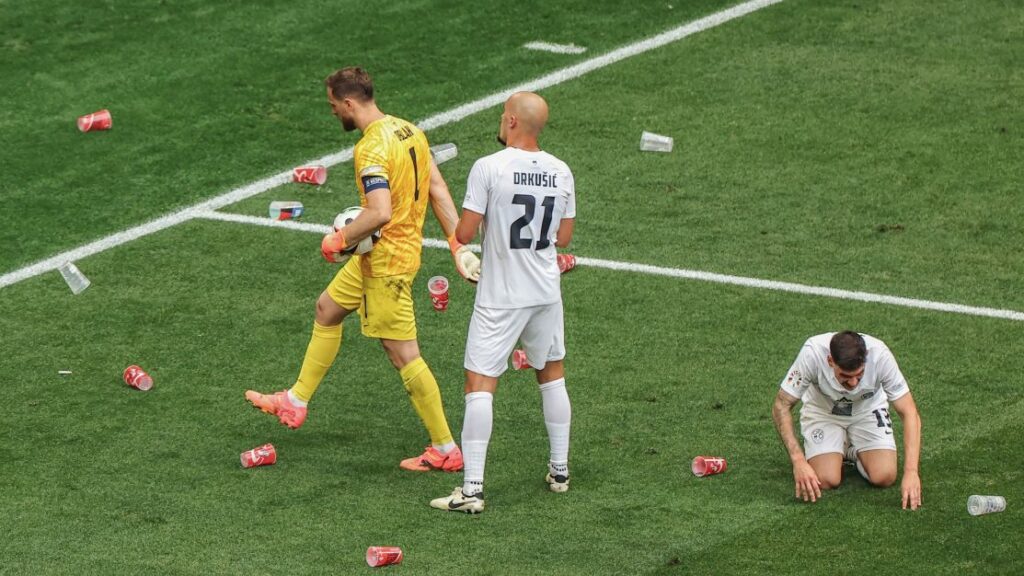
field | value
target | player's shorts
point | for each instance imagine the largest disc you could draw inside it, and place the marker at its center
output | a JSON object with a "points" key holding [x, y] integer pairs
{"points": [[384, 303], [493, 333], [826, 433]]}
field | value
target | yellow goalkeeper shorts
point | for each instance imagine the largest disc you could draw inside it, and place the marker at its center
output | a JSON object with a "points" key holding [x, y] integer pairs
{"points": [[384, 303]]}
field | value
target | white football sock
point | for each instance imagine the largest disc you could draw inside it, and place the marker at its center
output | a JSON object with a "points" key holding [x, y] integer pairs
{"points": [[558, 419], [295, 400], [444, 448], [860, 468], [476, 434]]}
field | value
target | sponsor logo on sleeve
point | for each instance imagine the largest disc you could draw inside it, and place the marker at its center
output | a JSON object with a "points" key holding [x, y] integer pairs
{"points": [[817, 435], [794, 380]]}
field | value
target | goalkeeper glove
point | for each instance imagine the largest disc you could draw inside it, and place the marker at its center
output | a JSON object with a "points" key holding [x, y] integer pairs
{"points": [[467, 263], [333, 247]]}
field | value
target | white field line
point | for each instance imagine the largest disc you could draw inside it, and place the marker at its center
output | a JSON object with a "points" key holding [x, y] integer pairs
{"points": [[555, 48], [436, 121], [686, 274]]}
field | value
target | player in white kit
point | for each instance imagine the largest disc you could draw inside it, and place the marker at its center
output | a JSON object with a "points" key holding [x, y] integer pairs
{"points": [[525, 198], [846, 381]]}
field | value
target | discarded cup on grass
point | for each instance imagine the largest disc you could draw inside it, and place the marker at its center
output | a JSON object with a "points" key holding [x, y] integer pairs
{"points": [[260, 456], [286, 209], [136, 377], [383, 555], [444, 152], [707, 465], [566, 262], [438, 286], [310, 175], [519, 360], [978, 505], [74, 277], [650, 142], [96, 121]]}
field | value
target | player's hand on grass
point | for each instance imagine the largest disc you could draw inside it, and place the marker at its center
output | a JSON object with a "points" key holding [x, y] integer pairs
{"points": [[808, 486], [332, 244], [466, 262], [911, 490]]}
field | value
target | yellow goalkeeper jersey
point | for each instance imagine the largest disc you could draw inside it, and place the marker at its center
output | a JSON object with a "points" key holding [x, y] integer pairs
{"points": [[393, 157]]}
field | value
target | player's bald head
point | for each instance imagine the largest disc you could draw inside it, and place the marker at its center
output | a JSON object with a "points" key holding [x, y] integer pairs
{"points": [[530, 109]]}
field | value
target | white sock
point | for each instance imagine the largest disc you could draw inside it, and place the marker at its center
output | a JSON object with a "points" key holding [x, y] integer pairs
{"points": [[444, 448], [860, 468], [476, 434], [295, 400], [558, 419]]}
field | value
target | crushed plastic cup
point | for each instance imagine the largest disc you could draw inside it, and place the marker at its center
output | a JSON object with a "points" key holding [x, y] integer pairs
{"points": [[136, 377], [707, 465], [310, 175], [286, 210], [566, 262], [74, 277], [444, 152], [519, 361], [438, 286], [383, 555], [260, 456], [96, 121], [651, 142], [978, 505]]}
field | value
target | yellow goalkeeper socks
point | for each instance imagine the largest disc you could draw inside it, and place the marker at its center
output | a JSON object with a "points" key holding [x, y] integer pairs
{"points": [[320, 354], [426, 399]]}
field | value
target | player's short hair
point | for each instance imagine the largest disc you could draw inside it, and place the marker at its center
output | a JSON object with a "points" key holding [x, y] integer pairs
{"points": [[848, 350], [351, 82]]}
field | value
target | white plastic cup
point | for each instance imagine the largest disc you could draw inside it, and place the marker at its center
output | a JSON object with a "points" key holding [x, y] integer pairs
{"points": [[978, 505], [650, 142], [438, 286], [443, 152], [74, 277]]}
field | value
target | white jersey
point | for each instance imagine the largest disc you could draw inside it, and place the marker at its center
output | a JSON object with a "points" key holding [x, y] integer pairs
{"points": [[523, 196], [813, 381]]}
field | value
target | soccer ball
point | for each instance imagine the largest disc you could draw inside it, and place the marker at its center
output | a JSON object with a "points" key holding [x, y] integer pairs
{"points": [[348, 215]]}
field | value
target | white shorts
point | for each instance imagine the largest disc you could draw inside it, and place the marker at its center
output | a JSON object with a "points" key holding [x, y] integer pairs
{"points": [[825, 433], [493, 333]]}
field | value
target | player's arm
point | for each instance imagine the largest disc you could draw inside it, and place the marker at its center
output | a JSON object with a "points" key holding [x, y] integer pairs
{"points": [[467, 263], [564, 236], [911, 486], [468, 225], [807, 485]]}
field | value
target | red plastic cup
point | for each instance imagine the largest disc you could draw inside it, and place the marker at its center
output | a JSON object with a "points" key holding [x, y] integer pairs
{"points": [[136, 377], [310, 175], [438, 286], [96, 121], [566, 262], [707, 465], [519, 360], [260, 456], [383, 555]]}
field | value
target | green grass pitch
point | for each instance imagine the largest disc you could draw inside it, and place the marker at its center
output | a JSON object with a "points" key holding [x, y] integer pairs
{"points": [[864, 145]]}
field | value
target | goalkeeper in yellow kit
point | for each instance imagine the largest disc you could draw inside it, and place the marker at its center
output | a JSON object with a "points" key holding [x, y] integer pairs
{"points": [[397, 179]]}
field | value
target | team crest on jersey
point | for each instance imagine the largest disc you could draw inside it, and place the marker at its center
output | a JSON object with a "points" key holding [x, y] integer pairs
{"points": [[817, 435], [794, 379]]}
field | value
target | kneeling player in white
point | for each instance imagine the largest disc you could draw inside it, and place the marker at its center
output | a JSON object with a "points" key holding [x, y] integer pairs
{"points": [[526, 200], [846, 382]]}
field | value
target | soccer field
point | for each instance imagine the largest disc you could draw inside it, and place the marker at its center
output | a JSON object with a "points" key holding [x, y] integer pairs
{"points": [[847, 164]]}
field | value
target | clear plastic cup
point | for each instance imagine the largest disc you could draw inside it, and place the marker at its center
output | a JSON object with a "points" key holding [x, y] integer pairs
{"points": [[978, 505], [651, 142], [96, 121], [74, 277], [519, 361], [136, 377], [444, 152], [260, 456], [285, 209]]}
